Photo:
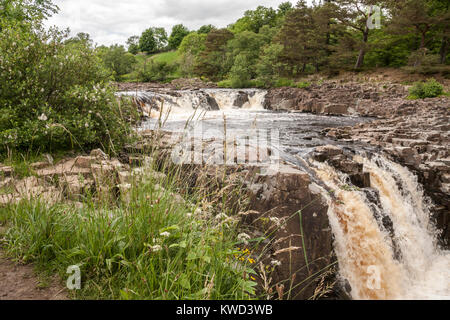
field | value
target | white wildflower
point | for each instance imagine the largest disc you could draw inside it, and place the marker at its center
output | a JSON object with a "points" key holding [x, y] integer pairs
{"points": [[86, 125], [275, 220], [275, 263], [165, 234], [43, 117], [244, 237], [221, 216], [156, 248], [198, 211]]}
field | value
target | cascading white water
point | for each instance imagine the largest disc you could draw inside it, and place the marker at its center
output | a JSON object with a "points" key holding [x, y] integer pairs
{"points": [[185, 103], [226, 99], [366, 252]]}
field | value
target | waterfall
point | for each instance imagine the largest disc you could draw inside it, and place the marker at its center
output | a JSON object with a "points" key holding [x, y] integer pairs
{"points": [[185, 102], [405, 263]]}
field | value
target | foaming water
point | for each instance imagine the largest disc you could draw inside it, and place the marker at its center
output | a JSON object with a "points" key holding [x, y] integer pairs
{"points": [[403, 263], [178, 104], [366, 252]]}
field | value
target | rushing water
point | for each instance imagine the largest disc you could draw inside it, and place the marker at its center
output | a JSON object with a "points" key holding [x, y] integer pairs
{"points": [[404, 262]]}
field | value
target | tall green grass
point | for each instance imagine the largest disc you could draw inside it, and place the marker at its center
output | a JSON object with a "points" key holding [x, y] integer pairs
{"points": [[148, 246]]}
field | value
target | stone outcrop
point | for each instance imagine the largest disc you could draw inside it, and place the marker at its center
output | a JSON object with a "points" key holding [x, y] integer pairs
{"points": [[334, 98], [72, 179]]}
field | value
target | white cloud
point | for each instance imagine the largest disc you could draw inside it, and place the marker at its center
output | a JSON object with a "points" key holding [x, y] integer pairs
{"points": [[111, 22]]}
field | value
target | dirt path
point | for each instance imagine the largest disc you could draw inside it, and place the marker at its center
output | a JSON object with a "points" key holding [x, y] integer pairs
{"points": [[19, 282]]}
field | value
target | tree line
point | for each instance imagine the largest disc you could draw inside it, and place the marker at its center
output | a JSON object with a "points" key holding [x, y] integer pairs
{"points": [[290, 41]]}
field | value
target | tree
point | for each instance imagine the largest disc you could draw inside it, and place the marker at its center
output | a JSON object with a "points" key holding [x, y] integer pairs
{"points": [[424, 17], [269, 66], [26, 10], [212, 61], [243, 53], [355, 14], [54, 96], [118, 60], [206, 29], [191, 46], [81, 38], [253, 20], [133, 44], [147, 42], [160, 37], [178, 33], [303, 37]]}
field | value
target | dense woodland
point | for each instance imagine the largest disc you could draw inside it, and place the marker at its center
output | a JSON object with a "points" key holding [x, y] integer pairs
{"points": [[270, 45]]}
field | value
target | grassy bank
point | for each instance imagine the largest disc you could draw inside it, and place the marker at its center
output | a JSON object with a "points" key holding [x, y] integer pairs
{"points": [[150, 243]]}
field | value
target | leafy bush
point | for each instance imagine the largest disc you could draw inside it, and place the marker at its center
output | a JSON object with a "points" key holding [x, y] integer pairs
{"points": [[284, 82], [225, 84], [54, 96], [153, 71], [303, 85], [429, 89], [118, 60]]}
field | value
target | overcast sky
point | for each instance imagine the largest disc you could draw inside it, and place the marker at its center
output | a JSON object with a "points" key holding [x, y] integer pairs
{"points": [[114, 21]]}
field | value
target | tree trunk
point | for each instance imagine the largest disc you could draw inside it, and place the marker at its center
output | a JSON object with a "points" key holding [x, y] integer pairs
{"points": [[422, 40], [444, 50], [362, 52]]}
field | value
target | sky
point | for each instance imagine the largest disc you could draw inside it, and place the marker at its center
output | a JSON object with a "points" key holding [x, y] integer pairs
{"points": [[114, 21]]}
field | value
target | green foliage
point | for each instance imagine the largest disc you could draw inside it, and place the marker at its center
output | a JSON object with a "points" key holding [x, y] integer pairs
{"points": [[212, 62], [147, 41], [116, 59], [161, 38], [269, 68], [225, 84], [190, 48], [284, 82], [29, 11], [241, 72], [429, 89], [253, 20], [206, 29], [154, 71], [303, 85], [81, 38], [179, 31], [194, 43], [133, 44], [54, 95]]}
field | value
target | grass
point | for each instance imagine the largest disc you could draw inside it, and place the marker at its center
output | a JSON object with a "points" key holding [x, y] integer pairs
{"points": [[150, 247], [169, 57]]}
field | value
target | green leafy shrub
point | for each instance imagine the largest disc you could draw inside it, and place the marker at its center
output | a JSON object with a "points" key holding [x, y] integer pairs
{"points": [[55, 96], [153, 71], [429, 89], [284, 82], [303, 85], [225, 84], [118, 60]]}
